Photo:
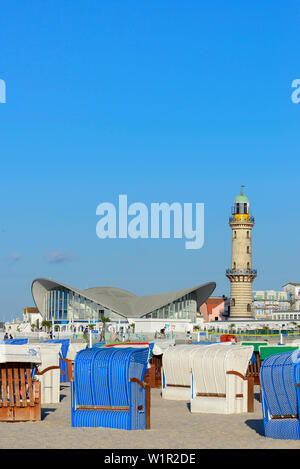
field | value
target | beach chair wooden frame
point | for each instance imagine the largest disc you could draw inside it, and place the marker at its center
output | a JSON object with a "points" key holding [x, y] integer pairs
{"points": [[253, 374], [69, 368], [250, 386], [19, 393], [155, 371]]}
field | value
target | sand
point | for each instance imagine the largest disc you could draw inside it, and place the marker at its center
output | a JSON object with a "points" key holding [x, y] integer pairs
{"points": [[172, 427]]}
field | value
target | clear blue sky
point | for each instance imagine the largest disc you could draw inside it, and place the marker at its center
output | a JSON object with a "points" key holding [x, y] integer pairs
{"points": [[160, 100]]}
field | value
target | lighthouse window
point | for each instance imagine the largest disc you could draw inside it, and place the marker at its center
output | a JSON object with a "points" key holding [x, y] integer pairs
{"points": [[248, 249], [234, 234], [248, 308], [232, 301], [248, 234], [245, 208]]}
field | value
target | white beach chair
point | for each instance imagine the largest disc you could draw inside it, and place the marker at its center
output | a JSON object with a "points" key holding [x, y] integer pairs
{"points": [[19, 353], [74, 348], [218, 381], [161, 345], [176, 371], [49, 372]]}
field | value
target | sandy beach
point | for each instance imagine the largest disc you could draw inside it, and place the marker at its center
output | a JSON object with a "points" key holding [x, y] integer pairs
{"points": [[172, 427]]}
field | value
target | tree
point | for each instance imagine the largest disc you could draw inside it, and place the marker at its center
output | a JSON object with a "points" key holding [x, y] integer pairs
{"points": [[265, 329], [46, 324], [104, 320]]}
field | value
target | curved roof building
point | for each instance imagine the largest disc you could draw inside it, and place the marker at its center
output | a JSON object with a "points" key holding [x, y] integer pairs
{"points": [[61, 303]]}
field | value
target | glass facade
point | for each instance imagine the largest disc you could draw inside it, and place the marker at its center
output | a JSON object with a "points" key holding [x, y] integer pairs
{"points": [[62, 304], [183, 308]]}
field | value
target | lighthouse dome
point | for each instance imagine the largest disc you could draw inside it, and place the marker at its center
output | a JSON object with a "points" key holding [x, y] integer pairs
{"points": [[241, 199]]}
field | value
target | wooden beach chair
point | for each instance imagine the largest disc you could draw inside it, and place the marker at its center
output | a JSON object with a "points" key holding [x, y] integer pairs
{"points": [[20, 394], [20, 398]]}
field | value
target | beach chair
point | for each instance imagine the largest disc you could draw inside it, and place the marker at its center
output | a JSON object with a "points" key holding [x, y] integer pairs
{"points": [[66, 365], [280, 381], [176, 367], [48, 372], [255, 345], [255, 364], [153, 372], [176, 370], [98, 344], [20, 398], [218, 381], [108, 389], [266, 351], [228, 338], [14, 341], [74, 348]]}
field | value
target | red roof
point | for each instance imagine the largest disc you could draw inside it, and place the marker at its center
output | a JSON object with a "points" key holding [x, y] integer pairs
{"points": [[212, 302]]}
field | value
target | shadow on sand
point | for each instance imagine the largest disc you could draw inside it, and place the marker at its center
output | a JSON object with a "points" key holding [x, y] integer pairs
{"points": [[45, 412], [257, 396], [257, 426]]}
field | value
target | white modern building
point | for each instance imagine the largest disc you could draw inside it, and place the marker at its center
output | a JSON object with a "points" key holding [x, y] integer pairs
{"points": [[71, 310]]}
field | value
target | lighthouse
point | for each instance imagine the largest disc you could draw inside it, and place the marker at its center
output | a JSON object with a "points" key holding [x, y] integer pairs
{"points": [[241, 274]]}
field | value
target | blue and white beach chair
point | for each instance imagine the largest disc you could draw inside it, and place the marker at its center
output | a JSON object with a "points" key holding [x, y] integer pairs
{"points": [[280, 381], [108, 389]]}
